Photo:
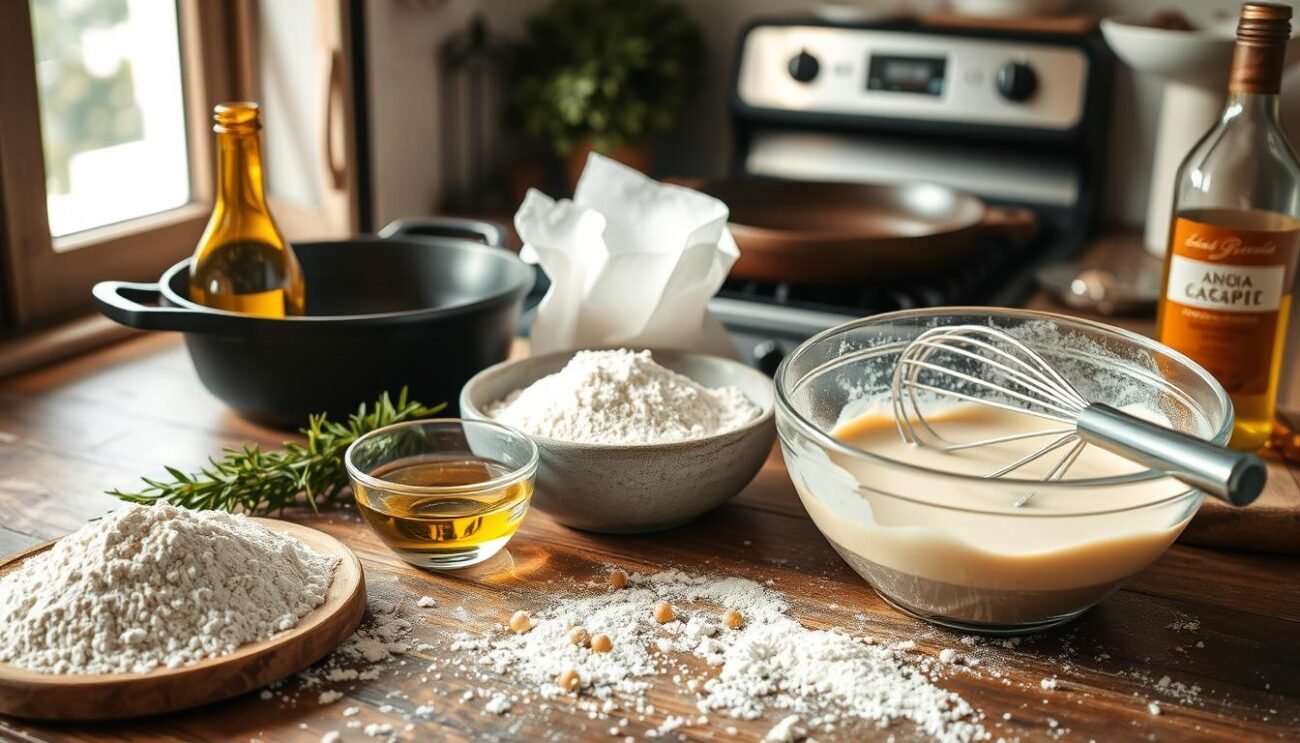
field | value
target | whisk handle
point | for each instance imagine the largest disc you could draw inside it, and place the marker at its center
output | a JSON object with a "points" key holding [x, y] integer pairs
{"points": [[1234, 476]]}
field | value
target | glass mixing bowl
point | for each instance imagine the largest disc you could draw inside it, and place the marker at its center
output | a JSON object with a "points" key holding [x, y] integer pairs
{"points": [[953, 547]]}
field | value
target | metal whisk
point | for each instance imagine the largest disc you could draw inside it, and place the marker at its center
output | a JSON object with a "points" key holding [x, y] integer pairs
{"points": [[986, 366]]}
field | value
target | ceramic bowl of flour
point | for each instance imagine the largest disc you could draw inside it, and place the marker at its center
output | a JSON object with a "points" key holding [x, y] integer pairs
{"points": [[641, 487]]}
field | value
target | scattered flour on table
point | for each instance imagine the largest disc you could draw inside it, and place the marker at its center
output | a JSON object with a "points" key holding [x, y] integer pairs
{"points": [[499, 704], [383, 635], [150, 586], [622, 397], [821, 678], [329, 697], [785, 731]]}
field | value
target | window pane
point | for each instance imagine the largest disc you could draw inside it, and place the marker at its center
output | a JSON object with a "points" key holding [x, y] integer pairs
{"points": [[112, 110]]}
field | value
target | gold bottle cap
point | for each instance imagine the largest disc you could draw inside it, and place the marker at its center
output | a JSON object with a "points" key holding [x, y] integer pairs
{"points": [[236, 116], [1264, 22]]}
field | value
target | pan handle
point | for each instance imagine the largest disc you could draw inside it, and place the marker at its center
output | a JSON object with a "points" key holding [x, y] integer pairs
{"points": [[134, 305], [1014, 222], [487, 233]]}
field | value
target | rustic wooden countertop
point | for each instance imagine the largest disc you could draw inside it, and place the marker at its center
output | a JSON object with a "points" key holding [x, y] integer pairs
{"points": [[1222, 626]]}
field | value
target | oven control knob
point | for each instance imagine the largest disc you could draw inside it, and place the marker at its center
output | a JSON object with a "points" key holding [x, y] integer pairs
{"points": [[804, 67], [767, 357], [1017, 81]]}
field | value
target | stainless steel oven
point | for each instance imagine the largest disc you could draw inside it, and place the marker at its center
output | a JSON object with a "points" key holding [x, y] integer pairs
{"points": [[1015, 118]]}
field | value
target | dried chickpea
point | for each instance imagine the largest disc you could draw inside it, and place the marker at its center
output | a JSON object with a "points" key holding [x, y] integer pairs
{"points": [[732, 619], [664, 612], [579, 636], [617, 578], [520, 622], [601, 643], [569, 680]]}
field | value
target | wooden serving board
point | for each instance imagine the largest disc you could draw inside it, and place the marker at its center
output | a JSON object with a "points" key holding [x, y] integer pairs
{"points": [[1270, 524], [25, 693]]}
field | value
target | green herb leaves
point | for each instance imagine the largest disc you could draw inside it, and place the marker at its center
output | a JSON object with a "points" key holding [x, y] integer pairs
{"points": [[259, 482]]}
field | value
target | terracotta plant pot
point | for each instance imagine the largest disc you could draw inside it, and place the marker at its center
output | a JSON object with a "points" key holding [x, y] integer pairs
{"points": [[640, 157]]}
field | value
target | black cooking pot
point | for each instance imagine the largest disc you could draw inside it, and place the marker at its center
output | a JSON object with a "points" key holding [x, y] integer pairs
{"points": [[425, 305]]}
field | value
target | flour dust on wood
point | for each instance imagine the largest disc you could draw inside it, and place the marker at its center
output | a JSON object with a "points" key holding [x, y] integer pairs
{"points": [[762, 660]]}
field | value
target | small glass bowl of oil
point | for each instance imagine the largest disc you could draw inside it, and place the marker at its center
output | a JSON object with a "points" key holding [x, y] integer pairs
{"points": [[443, 493]]}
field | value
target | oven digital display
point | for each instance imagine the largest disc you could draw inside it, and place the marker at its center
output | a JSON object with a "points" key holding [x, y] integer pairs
{"points": [[922, 75]]}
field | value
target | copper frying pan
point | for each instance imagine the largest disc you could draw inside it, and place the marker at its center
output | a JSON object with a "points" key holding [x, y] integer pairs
{"points": [[822, 232]]}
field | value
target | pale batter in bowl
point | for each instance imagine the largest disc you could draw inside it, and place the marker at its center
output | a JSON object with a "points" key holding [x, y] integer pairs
{"points": [[929, 532]]}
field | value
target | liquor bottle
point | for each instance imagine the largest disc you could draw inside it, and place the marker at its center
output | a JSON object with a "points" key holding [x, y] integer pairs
{"points": [[243, 263], [1231, 264]]}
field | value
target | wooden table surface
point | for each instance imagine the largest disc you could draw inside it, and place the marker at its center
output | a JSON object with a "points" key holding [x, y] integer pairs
{"points": [[1222, 626]]}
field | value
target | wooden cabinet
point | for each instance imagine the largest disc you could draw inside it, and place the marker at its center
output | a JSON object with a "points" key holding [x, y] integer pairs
{"points": [[296, 62]]}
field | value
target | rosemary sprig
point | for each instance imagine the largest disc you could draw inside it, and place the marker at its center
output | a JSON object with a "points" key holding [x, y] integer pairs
{"points": [[258, 482]]}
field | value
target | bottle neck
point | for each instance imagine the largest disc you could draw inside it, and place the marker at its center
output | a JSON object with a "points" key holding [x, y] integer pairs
{"points": [[1257, 61], [239, 170], [1254, 107]]}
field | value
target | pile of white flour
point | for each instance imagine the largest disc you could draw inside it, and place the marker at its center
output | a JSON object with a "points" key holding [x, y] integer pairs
{"points": [[150, 586], [824, 679], [622, 397]]}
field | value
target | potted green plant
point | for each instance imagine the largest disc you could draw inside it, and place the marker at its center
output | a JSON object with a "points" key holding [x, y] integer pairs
{"points": [[605, 75]]}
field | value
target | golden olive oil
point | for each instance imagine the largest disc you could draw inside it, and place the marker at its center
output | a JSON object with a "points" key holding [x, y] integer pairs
{"points": [[242, 262], [449, 528]]}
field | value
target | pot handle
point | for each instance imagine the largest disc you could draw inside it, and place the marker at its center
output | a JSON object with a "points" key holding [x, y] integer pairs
{"points": [[1010, 221], [133, 305], [488, 233]]}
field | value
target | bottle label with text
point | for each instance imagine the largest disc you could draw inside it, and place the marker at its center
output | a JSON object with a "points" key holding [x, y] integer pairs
{"points": [[1225, 291], [1225, 288]]}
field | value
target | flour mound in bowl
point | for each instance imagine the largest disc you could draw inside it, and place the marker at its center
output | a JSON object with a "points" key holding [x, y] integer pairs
{"points": [[151, 586], [622, 397]]}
